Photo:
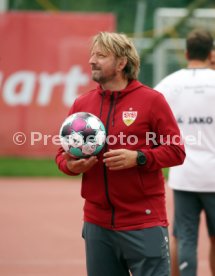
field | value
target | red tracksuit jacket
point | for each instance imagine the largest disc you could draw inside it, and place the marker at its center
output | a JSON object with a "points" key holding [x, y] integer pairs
{"points": [[132, 198]]}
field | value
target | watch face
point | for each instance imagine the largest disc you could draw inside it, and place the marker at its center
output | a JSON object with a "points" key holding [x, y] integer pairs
{"points": [[141, 158]]}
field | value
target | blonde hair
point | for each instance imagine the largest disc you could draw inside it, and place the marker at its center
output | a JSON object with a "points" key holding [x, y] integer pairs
{"points": [[121, 46]]}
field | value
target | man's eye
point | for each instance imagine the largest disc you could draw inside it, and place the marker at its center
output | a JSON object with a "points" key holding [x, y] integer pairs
{"points": [[101, 55]]}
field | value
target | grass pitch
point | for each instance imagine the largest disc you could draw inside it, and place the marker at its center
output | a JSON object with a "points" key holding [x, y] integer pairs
{"points": [[27, 167]]}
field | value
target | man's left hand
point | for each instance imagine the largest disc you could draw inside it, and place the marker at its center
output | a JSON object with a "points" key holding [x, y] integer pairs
{"points": [[120, 159]]}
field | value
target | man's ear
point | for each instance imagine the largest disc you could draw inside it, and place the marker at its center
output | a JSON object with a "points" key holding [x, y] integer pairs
{"points": [[210, 56], [122, 61]]}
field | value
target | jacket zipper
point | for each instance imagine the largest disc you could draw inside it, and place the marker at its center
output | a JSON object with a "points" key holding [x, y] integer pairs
{"points": [[105, 168]]}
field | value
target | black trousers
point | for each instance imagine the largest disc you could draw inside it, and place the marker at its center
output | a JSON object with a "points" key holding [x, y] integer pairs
{"points": [[188, 207], [142, 252]]}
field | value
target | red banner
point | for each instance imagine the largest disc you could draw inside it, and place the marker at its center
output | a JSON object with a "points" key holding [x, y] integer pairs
{"points": [[43, 67]]}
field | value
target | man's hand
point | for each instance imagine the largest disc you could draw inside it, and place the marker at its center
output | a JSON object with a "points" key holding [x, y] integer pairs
{"points": [[120, 159], [80, 165]]}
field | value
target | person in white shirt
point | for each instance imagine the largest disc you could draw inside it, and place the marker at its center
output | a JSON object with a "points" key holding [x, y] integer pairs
{"points": [[190, 93]]}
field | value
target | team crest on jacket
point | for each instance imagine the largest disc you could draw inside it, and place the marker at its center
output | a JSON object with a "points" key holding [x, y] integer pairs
{"points": [[129, 117]]}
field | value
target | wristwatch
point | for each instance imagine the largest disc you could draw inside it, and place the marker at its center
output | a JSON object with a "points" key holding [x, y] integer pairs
{"points": [[141, 158]]}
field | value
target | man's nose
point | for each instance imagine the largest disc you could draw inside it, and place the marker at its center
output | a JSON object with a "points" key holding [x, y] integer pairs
{"points": [[92, 60]]}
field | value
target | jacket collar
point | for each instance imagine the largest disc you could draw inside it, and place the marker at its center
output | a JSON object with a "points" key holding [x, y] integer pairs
{"points": [[132, 85]]}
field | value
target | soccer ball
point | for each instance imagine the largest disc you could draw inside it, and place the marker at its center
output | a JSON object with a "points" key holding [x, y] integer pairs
{"points": [[82, 135]]}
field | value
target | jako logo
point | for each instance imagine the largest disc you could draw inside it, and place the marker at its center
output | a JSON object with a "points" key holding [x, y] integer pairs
{"points": [[19, 88]]}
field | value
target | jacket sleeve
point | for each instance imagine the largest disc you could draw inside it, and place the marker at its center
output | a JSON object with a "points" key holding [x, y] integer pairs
{"points": [[61, 162], [59, 159], [167, 148]]}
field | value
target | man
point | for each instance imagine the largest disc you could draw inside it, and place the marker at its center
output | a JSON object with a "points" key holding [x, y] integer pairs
{"points": [[212, 59], [191, 95], [125, 223]]}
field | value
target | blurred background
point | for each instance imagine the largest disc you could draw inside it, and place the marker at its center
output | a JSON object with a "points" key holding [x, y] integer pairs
{"points": [[44, 54]]}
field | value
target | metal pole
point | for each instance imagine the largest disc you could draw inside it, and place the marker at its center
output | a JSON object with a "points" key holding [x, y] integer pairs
{"points": [[3, 5], [140, 19]]}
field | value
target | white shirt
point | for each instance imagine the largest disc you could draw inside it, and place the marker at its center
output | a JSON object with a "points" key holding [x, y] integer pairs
{"points": [[191, 96]]}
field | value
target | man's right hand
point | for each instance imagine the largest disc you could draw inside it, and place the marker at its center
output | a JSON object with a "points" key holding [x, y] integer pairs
{"points": [[79, 165]]}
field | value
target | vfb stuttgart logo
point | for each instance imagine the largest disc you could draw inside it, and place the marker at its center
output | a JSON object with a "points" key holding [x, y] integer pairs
{"points": [[129, 117]]}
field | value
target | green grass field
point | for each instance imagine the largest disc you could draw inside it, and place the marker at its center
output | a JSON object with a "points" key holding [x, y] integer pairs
{"points": [[17, 166], [25, 167]]}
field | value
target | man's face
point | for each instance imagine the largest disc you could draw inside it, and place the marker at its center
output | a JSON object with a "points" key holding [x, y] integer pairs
{"points": [[212, 60], [103, 65]]}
